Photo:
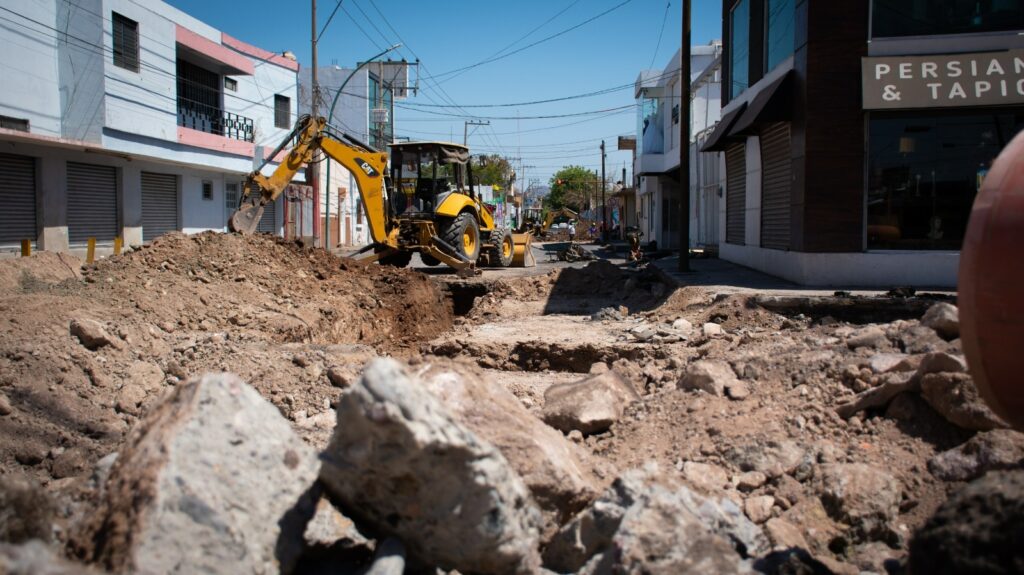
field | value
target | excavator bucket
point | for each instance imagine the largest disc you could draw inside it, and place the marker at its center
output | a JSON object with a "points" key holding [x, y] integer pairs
{"points": [[246, 219], [522, 257]]}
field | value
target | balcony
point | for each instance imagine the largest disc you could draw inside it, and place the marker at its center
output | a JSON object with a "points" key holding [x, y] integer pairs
{"points": [[213, 120]]}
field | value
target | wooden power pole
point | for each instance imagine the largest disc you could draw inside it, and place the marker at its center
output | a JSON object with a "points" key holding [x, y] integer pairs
{"points": [[684, 143]]}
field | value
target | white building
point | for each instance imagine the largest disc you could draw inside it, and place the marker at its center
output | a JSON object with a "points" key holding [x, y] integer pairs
{"points": [[657, 155], [130, 118]]}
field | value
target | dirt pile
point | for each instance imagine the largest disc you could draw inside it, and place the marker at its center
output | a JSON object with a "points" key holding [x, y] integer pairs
{"points": [[281, 316]]}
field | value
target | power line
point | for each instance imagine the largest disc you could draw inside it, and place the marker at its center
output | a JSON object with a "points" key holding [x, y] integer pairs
{"points": [[547, 117], [664, 20]]}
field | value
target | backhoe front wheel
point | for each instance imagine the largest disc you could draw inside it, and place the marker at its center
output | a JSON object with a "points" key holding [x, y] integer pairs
{"points": [[463, 234], [503, 249]]}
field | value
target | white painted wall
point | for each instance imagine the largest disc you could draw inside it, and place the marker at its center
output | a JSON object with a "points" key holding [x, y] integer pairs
{"points": [[81, 68], [924, 269], [28, 61]]}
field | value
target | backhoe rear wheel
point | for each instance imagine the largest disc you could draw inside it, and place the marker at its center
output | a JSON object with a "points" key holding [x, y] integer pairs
{"points": [[503, 248], [399, 259], [429, 260], [463, 234]]}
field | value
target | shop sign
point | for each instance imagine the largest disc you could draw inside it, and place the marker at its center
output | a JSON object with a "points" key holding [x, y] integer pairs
{"points": [[945, 80]]}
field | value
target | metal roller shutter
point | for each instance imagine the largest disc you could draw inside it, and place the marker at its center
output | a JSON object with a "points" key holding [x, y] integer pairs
{"points": [[92, 202], [736, 194], [17, 198], [159, 205], [267, 222], [777, 177]]}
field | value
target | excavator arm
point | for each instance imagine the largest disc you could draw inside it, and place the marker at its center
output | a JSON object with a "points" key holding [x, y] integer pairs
{"points": [[367, 166]]}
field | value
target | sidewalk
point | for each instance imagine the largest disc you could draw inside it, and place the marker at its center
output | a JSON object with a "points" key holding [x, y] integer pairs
{"points": [[726, 277]]}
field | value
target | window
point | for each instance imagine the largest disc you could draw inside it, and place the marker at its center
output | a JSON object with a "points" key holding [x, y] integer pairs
{"points": [[231, 196], [207, 190], [282, 111], [903, 18], [230, 84], [10, 123], [739, 48], [779, 32], [924, 171], [126, 42]]}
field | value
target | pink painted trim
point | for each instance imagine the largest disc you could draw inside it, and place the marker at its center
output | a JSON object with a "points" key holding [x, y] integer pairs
{"points": [[214, 50], [260, 53], [199, 139]]}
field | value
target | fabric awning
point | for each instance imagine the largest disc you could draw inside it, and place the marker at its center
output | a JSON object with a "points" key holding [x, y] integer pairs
{"points": [[772, 104], [719, 138]]}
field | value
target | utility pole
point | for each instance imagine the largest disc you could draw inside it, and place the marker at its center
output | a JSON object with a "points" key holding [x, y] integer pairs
{"points": [[604, 205], [684, 141], [314, 170], [467, 124]]}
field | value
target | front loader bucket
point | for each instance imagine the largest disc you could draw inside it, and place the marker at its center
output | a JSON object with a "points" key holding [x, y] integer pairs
{"points": [[246, 219], [522, 257]]}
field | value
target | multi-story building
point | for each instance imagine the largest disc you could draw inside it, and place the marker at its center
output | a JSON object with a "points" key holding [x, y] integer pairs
{"points": [[123, 118], [365, 111], [658, 147], [857, 133]]}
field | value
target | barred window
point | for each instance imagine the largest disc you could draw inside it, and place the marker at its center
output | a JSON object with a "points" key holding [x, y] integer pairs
{"points": [[126, 42], [282, 111]]}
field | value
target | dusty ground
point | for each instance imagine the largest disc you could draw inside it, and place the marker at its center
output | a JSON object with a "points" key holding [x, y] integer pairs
{"points": [[297, 324]]}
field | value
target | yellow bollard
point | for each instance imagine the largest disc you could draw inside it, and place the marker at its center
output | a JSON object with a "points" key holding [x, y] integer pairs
{"points": [[26, 248], [117, 246], [90, 251]]}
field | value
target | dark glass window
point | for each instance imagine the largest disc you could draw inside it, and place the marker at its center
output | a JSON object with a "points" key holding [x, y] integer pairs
{"points": [[924, 171], [126, 42], [282, 111], [739, 48], [922, 18], [779, 32]]}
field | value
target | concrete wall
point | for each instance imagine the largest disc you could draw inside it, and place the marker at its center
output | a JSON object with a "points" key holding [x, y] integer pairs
{"points": [[28, 60], [81, 66], [866, 269]]}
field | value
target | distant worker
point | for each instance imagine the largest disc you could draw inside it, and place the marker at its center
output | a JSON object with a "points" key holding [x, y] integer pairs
{"points": [[572, 231]]}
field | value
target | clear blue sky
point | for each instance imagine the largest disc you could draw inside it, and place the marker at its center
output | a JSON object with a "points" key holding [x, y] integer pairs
{"points": [[605, 53]]}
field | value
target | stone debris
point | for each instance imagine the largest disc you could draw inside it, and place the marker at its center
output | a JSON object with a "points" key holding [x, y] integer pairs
{"points": [[26, 511], [759, 509], [640, 525], [211, 481], [871, 336], [35, 558], [591, 405], [978, 530], [560, 476], [712, 329], [328, 527], [987, 451], [955, 397], [714, 377], [400, 462], [707, 477], [863, 497], [944, 319], [92, 334]]}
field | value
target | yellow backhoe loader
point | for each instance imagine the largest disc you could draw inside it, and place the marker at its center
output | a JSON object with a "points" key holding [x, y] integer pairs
{"points": [[427, 204]]}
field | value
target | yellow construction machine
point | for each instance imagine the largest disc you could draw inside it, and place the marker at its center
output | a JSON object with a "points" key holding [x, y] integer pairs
{"points": [[427, 204]]}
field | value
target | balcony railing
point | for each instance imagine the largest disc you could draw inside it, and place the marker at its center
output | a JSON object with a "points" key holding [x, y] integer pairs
{"points": [[213, 120]]}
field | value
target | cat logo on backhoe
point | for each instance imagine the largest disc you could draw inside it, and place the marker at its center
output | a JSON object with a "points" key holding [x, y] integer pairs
{"points": [[367, 168]]}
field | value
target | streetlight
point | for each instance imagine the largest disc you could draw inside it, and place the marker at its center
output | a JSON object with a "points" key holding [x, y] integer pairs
{"points": [[330, 116]]}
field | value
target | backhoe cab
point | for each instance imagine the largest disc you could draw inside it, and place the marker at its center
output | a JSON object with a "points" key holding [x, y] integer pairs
{"points": [[427, 205]]}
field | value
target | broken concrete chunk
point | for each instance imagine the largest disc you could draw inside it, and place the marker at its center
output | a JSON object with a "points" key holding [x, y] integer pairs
{"points": [[328, 527], [711, 329], [211, 481], [709, 375], [944, 319], [891, 362], [988, 451], [558, 473], [92, 334], [400, 462], [941, 362], [871, 336], [683, 326], [863, 497], [591, 405], [954, 397], [707, 477]]}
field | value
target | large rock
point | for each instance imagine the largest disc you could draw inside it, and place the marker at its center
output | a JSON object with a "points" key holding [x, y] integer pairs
{"points": [[944, 319], [556, 471], [213, 480], [714, 377], [638, 525], [771, 457], [863, 497], [870, 336], [987, 451], [591, 405], [92, 334], [400, 462], [979, 530], [954, 397]]}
